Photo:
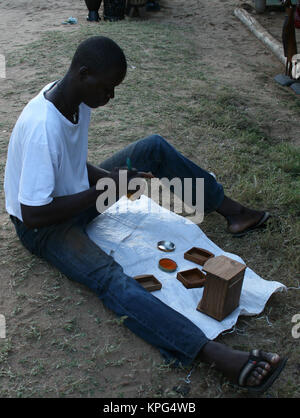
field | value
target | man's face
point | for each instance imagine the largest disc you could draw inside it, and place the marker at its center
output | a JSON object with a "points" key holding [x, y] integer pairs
{"points": [[98, 89]]}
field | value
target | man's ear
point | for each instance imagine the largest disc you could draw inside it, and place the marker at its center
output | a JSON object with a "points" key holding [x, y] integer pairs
{"points": [[83, 72]]}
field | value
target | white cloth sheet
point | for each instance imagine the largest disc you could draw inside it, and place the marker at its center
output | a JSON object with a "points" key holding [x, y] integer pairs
{"points": [[130, 230]]}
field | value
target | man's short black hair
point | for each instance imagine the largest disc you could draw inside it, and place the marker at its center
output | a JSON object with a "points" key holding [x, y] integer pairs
{"points": [[99, 54]]}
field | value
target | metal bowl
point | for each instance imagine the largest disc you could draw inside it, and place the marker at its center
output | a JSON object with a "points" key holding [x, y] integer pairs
{"points": [[166, 246]]}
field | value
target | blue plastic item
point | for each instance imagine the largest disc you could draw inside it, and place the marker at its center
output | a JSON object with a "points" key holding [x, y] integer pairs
{"points": [[70, 21]]}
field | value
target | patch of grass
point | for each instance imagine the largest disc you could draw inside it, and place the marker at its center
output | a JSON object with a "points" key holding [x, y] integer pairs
{"points": [[5, 348], [33, 332]]}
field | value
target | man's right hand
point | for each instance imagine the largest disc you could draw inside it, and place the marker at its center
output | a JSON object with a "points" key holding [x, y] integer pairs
{"points": [[117, 173]]}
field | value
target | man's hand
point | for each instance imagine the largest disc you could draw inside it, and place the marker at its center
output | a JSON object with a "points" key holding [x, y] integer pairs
{"points": [[116, 175], [95, 173]]}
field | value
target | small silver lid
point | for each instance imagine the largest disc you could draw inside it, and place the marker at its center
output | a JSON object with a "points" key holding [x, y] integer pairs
{"points": [[166, 246]]}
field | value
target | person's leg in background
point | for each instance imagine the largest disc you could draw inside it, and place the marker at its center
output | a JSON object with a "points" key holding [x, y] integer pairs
{"points": [[93, 8], [152, 6], [114, 10]]}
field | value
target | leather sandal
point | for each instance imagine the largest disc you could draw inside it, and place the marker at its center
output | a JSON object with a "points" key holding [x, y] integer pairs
{"points": [[256, 357]]}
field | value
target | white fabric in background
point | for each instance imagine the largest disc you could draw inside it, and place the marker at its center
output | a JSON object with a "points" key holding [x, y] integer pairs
{"points": [[129, 232]]}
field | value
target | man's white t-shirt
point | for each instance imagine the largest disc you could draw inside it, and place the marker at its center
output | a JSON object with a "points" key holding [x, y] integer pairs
{"points": [[47, 155]]}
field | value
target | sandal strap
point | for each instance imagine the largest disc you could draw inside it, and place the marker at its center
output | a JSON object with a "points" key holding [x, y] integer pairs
{"points": [[254, 358]]}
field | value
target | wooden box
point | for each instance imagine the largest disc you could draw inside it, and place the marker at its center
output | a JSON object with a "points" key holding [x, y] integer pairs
{"points": [[191, 278], [149, 282], [223, 286], [198, 255]]}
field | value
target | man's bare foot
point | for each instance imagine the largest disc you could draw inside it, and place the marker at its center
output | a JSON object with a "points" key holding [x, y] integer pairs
{"points": [[239, 218], [231, 362]]}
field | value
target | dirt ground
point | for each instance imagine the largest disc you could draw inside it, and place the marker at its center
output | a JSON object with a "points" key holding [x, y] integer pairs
{"points": [[240, 60]]}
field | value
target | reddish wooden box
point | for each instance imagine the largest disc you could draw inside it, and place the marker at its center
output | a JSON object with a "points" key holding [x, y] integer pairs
{"points": [[191, 278], [149, 282], [198, 255], [223, 286]]}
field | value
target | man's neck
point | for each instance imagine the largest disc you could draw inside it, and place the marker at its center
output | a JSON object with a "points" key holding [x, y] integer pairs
{"points": [[63, 98]]}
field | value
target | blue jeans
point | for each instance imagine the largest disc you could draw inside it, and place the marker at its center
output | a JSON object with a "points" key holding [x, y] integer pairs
{"points": [[68, 247]]}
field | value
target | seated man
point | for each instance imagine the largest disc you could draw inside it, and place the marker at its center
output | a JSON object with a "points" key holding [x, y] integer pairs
{"points": [[51, 195]]}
